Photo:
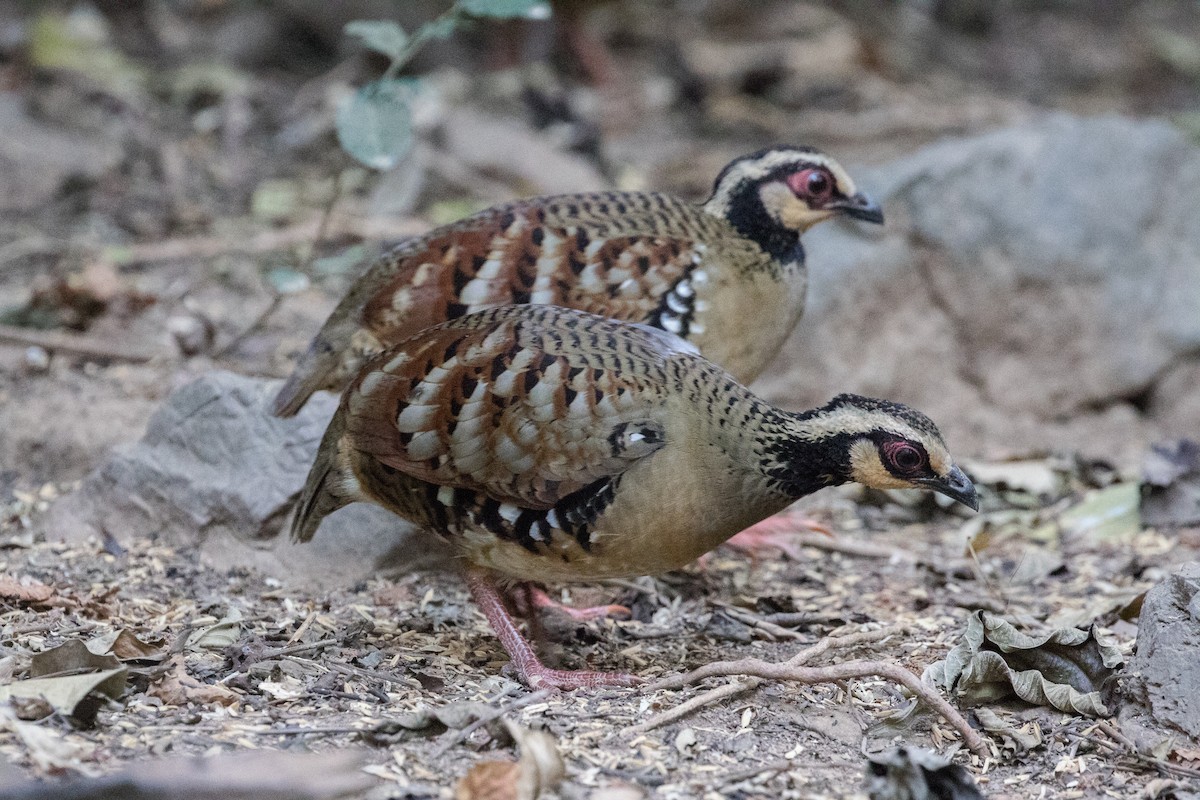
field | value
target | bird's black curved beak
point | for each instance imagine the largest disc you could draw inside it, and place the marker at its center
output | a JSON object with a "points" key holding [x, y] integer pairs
{"points": [[860, 207], [957, 486]]}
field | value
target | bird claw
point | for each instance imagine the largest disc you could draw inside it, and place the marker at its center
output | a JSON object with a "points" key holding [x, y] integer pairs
{"points": [[539, 676]]}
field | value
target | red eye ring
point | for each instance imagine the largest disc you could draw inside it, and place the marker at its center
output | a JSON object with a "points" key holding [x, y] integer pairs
{"points": [[811, 184], [903, 456]]}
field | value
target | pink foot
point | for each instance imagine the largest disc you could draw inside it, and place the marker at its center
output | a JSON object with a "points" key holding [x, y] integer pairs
{"points": [[537, 598], [529, 668], [779, 532]]}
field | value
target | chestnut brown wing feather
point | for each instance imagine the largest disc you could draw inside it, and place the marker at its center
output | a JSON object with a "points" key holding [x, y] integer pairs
{"points": [[613, 254], [520, 407], [516, 254]]}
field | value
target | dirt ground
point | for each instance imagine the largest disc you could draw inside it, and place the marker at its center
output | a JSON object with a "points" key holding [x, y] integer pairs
{"points": [[178, 203]]}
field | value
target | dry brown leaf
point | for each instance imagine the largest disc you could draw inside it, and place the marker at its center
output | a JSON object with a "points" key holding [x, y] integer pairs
{"points": [[68, 693], [65, 678], [72, 656], [540, 769], [24, 589], [490, 780], [178, 688], [126, 646]]}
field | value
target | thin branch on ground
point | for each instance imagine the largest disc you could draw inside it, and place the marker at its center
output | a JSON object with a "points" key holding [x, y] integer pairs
{"points": [[370, 228], [699, 701], [850, 547], [757, 622], [61, 342], [794, 670]]}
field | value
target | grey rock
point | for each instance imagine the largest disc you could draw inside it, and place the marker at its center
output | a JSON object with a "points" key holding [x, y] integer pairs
{"points": [[1167, 644], [36, 160], [214, 468], [1028, 283]]}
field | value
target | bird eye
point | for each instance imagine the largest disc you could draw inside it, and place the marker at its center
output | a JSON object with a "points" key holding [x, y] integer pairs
{"points": [[904, 456], [813, 184]]}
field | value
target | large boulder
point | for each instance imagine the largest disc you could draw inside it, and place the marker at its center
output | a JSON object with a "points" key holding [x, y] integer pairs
{"points": [[215, 469], [1034, 286]]}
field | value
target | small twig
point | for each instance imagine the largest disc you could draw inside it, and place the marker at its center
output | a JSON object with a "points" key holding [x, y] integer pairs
{"points": [[256, 324], [850, 547], [756, 621], [851, 669], [1117, 736], [263, 242], [373, 675], [782, 765], [719, 668], [303, 629], [276, 652], [794, 670], [461, 735], [699, 701], [71, 343]]}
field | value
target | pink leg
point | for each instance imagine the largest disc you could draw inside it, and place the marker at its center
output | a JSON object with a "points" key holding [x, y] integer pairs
{"points": [[778, 532], [537, 599], [532, 671]]}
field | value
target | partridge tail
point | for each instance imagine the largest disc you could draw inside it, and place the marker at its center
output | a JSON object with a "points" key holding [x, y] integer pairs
{"points": [[317, 369]]}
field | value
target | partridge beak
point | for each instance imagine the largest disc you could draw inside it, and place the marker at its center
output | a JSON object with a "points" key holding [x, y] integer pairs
{"points": [[957, 486], [860, 207]]}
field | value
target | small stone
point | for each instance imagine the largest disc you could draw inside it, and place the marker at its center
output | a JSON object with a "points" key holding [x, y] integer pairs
{"points": [[36, 359], [192, 334]]}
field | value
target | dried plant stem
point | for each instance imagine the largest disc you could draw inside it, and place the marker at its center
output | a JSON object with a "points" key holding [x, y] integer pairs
{"points": [[58, 341], [265, 241], [699, 701], [794, 670], [850, 547]]}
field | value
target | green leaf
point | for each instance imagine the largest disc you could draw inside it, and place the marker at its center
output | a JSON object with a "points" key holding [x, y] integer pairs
{"points": [[381, 35], [375, 125], [287, 281], [507, 9], [441, 28]]}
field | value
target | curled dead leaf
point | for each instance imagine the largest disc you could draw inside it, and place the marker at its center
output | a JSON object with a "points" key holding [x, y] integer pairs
{"points": [[1066, 668], [178, 688], [220, 634]]}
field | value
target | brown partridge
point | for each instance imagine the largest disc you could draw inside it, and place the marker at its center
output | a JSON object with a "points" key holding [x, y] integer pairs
{"points": [[548, 444], [727, 275]]}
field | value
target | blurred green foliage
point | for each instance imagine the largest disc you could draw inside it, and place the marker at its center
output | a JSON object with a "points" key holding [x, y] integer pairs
{"points": [[375, 124]]}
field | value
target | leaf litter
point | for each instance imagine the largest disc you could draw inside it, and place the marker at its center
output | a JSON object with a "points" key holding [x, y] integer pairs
{"points": [[223, 661]]}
